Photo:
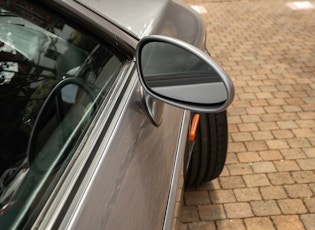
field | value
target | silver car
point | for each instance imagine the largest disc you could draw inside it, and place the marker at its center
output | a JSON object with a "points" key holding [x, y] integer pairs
{"points": [[102, 105]]}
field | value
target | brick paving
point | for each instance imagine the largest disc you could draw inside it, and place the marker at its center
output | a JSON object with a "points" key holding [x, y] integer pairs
{"points": [[268, 49]]}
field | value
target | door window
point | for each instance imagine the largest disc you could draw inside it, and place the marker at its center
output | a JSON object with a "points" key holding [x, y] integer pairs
{"points": [[53, 79]]}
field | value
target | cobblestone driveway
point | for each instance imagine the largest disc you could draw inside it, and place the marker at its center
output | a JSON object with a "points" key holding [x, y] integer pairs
{"points": [[268, 49]]}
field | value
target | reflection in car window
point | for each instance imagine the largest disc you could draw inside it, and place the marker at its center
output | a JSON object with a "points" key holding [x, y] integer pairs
{"points": [[52, 81]]}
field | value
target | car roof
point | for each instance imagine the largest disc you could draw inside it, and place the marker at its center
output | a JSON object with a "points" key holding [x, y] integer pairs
{"points": [[140, 17]]}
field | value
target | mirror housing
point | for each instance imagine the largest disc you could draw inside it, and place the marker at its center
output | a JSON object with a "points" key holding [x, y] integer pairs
{"points": [[182, 75]]}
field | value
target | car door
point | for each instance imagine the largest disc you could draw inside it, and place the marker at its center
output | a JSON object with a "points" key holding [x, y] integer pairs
{"points": [[95, 151], [128, 183]]}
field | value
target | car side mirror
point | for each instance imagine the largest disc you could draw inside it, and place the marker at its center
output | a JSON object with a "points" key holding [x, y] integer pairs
{"points": [[182, 75]]}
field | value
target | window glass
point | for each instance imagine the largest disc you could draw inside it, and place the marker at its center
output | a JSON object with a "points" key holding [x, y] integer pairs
{"points": [[52, 80]]}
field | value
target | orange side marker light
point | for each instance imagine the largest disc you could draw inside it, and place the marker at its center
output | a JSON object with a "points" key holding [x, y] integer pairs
{"points": [[194, 126]]}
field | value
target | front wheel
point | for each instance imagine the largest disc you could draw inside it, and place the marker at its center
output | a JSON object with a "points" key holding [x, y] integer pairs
{"points": [[209, 150]]}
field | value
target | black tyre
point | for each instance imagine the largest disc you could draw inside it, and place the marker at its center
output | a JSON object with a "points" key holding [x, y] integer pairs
{"points": [[210, 149]]}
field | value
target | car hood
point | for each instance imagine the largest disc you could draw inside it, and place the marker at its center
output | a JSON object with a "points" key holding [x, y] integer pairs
{"points": [[145, 17], [137, 16]]}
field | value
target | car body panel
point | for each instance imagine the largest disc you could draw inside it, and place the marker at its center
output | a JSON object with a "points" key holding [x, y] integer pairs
{"points": [[143, 18], [128, 177], [139, 17], [136, 169], [178, 21]]}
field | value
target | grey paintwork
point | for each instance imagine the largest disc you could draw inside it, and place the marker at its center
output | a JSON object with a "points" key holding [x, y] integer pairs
{"points": [[133, 174], [142, 18], [131, 181], [138, 16]]}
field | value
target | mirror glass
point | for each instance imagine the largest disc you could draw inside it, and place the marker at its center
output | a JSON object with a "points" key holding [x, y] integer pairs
{"points": [[177, 73]]}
